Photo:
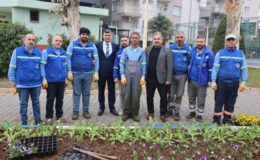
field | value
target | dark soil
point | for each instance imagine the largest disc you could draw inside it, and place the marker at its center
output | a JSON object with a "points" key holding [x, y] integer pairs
{"points": [[125, 151]]}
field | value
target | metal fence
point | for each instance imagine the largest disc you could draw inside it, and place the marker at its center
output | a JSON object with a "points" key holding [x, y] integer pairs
{"points": [[250, 31]]}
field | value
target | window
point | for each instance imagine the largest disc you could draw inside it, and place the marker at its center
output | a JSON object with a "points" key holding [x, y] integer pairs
{"points": [[115, 5], [176, 11], [246, 11], [34, 16]]}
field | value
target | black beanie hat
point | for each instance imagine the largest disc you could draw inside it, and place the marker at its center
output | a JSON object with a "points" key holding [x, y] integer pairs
{"points": [[84, 30]]}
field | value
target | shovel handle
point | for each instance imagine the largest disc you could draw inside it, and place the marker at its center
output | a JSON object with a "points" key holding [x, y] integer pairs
{"points": [[88, 153], [106, 156]]}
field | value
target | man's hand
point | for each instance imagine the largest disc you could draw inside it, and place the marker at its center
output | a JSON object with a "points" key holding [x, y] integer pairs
{"points": [[242, 87], [70, 76], [14, 90], [214, 86], [66, 83], [167, 83], [95, 77], [123, 80], [44, 84], [142, 82]]}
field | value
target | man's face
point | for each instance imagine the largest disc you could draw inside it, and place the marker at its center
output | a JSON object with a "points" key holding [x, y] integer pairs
{"points": [[157, 41], [29, 40], [124, 42], [107, 37], [200, 43], [84, 37], [231, 42], [134, 39], [179, 39], [57, 42]]}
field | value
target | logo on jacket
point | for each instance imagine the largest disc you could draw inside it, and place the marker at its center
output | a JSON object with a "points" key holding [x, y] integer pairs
{"points": [[238, 65], [37, 66]]}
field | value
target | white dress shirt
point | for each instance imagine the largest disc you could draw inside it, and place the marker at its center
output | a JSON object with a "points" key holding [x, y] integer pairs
{"points": [[109, 47]]}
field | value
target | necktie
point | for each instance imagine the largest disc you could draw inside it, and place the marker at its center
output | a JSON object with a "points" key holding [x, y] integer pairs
{"points": [[107, 51]]}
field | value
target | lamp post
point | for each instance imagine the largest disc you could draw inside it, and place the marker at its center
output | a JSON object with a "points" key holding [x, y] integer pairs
{"points": [[145, 24], [100, 29], [189, 22]]}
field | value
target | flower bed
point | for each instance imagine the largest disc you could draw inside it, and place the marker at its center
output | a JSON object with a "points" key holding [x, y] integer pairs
{"points": [[246, 120], [203, 142]]}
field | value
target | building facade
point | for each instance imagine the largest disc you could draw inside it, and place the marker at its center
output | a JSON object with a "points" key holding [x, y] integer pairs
{"points": [[35, 15]]}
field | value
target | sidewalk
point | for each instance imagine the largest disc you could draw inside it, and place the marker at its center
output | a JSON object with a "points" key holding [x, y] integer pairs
{"points": [[248, 102]]}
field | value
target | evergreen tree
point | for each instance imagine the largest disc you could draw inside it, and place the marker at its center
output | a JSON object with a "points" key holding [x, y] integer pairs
{"points": [[219, 40], [161, 24]]}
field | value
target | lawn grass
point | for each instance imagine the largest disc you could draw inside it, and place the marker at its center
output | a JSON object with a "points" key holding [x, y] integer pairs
{"points": [[253, 78]]}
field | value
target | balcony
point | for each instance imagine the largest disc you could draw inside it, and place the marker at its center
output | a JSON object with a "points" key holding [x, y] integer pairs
{"points": [[129, 11], [164, 1]]}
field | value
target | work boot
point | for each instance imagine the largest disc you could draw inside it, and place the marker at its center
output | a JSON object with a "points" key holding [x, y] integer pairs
{"points": [[176, 116], [136, 118], [191, 115], [86, 115], [216, 120], [124, 117], [24, 123], [199, 119], [75, 115], [169, 113], [61, 119], [49, 121], [36, 122], [163, 119], [150, 116]]}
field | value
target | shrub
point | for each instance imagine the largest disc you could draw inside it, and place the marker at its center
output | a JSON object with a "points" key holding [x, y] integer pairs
{"points": [[10, 37]]}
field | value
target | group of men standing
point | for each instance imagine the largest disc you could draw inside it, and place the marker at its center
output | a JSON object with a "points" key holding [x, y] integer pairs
{"points": [[163, 68]]}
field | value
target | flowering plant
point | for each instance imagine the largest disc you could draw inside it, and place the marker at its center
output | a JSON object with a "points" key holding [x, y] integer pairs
{"points": [[246, 120], [20, 149]]}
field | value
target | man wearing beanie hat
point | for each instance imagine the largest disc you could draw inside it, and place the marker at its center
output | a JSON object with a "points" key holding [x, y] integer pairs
{"points": [[107, 54], [228, 71], [81, 53]]}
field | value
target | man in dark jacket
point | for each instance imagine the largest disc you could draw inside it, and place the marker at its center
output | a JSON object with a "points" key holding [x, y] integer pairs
{"points": [[159, 75], [199, 77], [107, 54]]}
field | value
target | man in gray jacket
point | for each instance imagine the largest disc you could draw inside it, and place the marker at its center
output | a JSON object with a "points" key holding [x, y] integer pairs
{"points": [[159, 75]]}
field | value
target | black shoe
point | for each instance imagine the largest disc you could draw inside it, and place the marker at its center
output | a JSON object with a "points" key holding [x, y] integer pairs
{"points": [[191, 115], [100, 112], [124, 117], [216, 122], [86, 115], [114, 112], [75, 116], [228, 122], [199, 119], [38, 122], [176, 116], [24, 123]]}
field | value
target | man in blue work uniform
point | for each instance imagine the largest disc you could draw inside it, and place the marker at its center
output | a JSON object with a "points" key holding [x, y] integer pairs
{"points": [[228, 71], [132, 70], [54, 73], [181, 58], [116, 69], [25, 75], [81, 53], [199, 77]]}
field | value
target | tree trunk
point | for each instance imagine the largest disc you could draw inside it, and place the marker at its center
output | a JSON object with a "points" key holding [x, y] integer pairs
{"points": [[72, 18], [233, 9]]}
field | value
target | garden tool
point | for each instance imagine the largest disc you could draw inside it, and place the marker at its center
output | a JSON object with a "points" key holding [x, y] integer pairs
{"points": [[95, 155]]}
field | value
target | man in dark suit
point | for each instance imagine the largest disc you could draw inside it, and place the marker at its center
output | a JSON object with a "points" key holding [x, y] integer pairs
{"points": [[107, 53], [159, 75]]}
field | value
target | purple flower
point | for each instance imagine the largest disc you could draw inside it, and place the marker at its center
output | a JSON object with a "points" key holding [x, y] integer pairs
{"points": [[203, 157], [235, 146], [4, 149]]}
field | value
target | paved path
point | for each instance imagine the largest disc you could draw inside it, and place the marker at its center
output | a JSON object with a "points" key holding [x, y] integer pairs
{"points": [[253, 62], [248, 102]]}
